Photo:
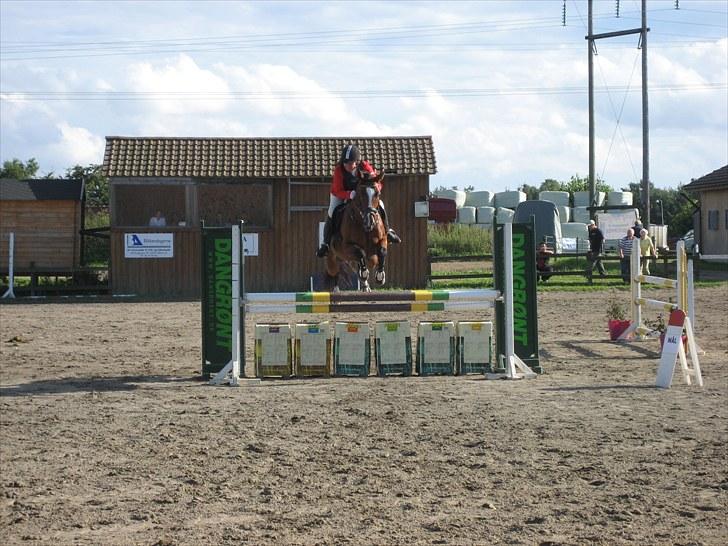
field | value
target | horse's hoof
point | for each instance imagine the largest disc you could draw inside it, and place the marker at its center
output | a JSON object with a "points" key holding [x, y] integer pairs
{"points": [[380, 277]]}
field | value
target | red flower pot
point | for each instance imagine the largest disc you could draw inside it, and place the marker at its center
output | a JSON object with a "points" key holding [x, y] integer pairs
{"points": [[616, 327]]}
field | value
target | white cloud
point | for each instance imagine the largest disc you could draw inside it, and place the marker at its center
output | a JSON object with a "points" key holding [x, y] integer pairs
{"points": [[205, 91], [77, 146]]}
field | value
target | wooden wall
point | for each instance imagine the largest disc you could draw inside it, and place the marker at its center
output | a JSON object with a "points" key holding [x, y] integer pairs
{"points": [[46, 234], [287, 257], [174, 277]]}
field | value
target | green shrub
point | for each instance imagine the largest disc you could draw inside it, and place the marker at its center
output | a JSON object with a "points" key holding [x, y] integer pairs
{"points": [[97, 250], [458, 240]]}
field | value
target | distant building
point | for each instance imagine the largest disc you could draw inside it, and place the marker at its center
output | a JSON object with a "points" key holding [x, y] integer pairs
{"points": [[711, 231], [46, 217]]}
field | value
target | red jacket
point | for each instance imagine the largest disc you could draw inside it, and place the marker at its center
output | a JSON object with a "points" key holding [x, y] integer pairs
{"points": [[342, 183]]}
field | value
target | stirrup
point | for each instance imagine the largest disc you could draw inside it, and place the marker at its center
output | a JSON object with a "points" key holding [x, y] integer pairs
{"points": [[392, 237], [323, 250]]}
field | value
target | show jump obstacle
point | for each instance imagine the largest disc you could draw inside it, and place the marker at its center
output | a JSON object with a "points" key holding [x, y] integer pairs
{"points": [[225, 303], [681, 317]]}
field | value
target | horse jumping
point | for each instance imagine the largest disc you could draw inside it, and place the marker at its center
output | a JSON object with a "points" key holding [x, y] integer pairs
{"points": [[361, 240]]}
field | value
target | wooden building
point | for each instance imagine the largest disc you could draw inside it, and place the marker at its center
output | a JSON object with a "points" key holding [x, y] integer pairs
{"points": [[278, 186], [711, 231], [46, 217]]}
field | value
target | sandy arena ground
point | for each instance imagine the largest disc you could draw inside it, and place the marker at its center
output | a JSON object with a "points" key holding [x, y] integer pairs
{"points": [[108, 436]]}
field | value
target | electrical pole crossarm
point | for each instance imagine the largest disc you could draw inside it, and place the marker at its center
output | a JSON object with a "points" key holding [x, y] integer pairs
{"points": [[615, 33]]}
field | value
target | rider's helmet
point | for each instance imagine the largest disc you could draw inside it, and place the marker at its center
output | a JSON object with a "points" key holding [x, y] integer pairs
{"points": [[350, 152]]}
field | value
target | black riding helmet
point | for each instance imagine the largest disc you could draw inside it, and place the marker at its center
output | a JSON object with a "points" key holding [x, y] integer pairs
{"points": [[350, 152]]}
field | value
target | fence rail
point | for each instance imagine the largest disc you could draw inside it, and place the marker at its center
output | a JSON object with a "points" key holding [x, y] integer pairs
{"points": [[575, 267]]}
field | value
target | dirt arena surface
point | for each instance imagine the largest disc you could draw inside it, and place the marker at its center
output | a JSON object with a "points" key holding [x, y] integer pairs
{"points": [[108, 436]]}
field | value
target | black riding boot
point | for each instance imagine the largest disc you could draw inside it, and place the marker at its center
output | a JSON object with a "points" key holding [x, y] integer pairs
{"points": [[324, 248], [392, 237]]}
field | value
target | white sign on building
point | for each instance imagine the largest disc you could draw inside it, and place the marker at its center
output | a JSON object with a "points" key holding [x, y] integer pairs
{"points": [[148, 245], [250, 244]]}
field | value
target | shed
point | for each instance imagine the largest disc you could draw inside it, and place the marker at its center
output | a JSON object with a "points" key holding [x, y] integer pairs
{"points": [[46, 216], [278, 186], [712, 228]]}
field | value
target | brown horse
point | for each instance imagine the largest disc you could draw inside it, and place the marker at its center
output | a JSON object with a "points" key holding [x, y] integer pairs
{"points": [[362, 240]]}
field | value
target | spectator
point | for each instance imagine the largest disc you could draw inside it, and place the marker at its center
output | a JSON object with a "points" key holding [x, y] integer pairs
{"points": [[647, 250], [625, 251], [637, 228], [594, 256], [543, 255], [158, 220]]}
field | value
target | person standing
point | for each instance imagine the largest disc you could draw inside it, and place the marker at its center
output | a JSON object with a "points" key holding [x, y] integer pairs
{"points": [[647, 250], [347, 173], [596, 244], [625, 251]]}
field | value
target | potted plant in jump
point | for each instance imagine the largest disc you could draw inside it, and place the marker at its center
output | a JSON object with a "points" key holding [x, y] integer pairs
{"points": [[616, 318], [658, 326]]}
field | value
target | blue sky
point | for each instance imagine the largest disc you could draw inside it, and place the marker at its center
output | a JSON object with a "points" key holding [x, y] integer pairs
{"points": [[500, 86]]}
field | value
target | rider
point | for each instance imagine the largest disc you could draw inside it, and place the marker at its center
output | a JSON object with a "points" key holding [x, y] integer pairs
{"points": [[347, 173]]}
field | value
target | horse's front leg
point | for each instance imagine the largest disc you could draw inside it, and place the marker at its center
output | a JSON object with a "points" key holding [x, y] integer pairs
{"points": [[380, 275]]}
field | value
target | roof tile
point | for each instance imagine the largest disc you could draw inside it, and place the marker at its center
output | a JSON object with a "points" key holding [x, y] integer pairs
{"points": [[260, 157]]}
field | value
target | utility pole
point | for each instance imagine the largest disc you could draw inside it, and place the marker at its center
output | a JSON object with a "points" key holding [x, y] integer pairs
{"points": [[591, 38], [645, 122], [592, 179]]}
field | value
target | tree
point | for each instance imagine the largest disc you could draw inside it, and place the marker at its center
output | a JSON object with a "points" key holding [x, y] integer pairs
{"points": [[96, 183], [15, 168], [530, 191]]}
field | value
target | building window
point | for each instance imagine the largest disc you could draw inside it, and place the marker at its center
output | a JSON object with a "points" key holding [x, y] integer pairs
{"points": [[136, 204], [713, 219], [223, 204]]}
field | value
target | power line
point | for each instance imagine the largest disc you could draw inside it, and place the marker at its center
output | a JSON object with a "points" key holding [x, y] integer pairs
{"points": [[22, 96]]}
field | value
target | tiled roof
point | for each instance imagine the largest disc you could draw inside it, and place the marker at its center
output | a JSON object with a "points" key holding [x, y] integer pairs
{"points": [[718, 179], [44, 189], [260, 157]]}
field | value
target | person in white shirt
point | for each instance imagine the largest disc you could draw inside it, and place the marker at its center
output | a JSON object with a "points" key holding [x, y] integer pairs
{"points": [[158, 220]]}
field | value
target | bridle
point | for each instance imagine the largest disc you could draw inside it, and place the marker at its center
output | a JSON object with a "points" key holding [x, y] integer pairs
{"points": [[366, 213]]}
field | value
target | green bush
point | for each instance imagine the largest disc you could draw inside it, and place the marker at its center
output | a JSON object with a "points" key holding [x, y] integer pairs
{"points": [[458, 240], [97, 251]]}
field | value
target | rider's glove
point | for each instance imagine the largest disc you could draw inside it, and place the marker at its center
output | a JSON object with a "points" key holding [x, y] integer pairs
{"points": [[352, 194]]}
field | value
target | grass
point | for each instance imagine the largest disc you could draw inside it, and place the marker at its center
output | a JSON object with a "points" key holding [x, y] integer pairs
{"points": [[458, 240]]}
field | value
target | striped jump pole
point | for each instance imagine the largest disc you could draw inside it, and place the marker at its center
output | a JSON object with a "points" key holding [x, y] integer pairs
{"points": [[370, 307], [340, 297]]}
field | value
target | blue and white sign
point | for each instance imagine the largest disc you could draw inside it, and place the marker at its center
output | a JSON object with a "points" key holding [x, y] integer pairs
{"points": [[148, 245], [250, 244]]}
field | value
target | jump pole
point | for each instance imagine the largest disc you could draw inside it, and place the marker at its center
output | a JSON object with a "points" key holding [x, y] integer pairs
{"points": [[11, 272], [680, 319]]}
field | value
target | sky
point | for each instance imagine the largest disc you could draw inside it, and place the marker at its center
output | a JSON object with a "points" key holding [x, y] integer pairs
{"points": [[501, 86]]}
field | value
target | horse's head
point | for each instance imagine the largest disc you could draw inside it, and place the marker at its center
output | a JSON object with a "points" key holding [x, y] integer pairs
{"points": [[367, 190], [367, 198]]}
